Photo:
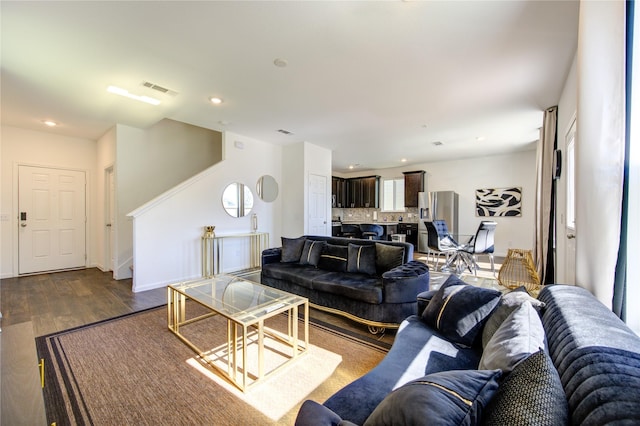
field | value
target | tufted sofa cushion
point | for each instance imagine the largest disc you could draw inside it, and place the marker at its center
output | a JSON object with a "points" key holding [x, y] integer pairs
{"points": [[596, 355]]}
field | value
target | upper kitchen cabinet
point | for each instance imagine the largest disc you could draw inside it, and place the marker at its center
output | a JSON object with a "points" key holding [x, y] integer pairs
{"points": [[363, 192], [371, 192], [338, 192], [413, 183]]}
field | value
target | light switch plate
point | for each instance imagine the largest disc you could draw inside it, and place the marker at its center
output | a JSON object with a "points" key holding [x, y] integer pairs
{"points": [[4, 217]]}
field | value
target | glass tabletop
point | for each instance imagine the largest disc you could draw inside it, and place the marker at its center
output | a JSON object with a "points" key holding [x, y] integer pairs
{"points": [[239, 299]]}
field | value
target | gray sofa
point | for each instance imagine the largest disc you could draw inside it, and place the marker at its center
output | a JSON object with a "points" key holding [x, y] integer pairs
{"points": [[372, 282], [586, 372]]}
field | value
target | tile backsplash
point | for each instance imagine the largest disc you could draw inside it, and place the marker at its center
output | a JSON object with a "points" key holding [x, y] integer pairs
{"points": [[369, 215]]}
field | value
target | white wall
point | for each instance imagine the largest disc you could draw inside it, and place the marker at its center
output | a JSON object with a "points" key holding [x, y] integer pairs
{"points": [[105, 159], [567, 108], [151, 161], [300, 160], [168, 229], [465, 176], [293, 193], [42, 149], [600, 144]]}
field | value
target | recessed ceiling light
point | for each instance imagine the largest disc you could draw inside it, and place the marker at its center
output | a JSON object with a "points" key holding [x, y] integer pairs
{"points": [[403, 160], [123, 92], [280, 63], [480, 138], [50, 123], [215, 101], [351, 166]]}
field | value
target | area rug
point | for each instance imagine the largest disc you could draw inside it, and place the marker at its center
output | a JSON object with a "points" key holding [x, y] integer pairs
{"points": [[133, 370]]}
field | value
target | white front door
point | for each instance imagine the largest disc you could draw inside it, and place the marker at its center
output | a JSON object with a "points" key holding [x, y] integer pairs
{"points": [[52, 219], [318, 203]]}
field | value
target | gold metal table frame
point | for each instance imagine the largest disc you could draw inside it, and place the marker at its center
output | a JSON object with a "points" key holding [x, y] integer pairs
{"points": [[245, 305]]}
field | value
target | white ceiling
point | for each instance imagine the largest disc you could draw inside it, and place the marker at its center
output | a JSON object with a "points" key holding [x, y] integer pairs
{"points": [[374, 82]]}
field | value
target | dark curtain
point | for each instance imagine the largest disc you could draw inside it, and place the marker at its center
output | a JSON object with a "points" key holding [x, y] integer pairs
{"points": [[619, 304]]}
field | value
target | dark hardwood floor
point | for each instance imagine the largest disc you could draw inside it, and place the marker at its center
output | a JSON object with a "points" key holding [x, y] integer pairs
{"points": [[62, 300]]}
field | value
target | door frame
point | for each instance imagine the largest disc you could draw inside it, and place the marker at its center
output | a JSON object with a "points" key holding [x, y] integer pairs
{"points": [[16, 212], [109, 245]]}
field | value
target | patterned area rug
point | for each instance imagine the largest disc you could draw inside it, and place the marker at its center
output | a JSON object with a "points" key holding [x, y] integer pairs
{"points": [[133, 370]]}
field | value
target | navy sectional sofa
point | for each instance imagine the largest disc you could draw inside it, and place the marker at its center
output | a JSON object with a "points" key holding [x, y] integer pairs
{"points": [[369, 281], [586, 372]]}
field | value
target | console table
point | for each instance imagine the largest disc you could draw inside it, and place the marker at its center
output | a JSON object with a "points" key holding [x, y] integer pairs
{"points": [[213, 250]]}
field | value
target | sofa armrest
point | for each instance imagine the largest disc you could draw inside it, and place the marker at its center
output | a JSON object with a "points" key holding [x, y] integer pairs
{"points": [[271, 255], [313, 414], [423, 300], [403, 283]]}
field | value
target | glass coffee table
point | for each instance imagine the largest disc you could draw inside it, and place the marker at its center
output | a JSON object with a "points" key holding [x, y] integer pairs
{"points": [[246, 305]]}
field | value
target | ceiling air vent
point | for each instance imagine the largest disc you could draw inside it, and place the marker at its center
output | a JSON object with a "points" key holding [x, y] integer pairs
{"points": [[158, 88], [437, 143], [284, 132]]}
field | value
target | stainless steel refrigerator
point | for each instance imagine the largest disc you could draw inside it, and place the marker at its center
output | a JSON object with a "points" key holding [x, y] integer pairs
{"points": [[440, 205]]}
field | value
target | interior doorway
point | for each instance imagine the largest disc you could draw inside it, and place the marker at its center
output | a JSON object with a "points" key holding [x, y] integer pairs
{"points": [[52, 219], [318, 202], [110, 219]]}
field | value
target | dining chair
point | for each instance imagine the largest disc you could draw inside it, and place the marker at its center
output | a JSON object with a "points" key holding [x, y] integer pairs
{"points": [[440, 242], [482, 244]]}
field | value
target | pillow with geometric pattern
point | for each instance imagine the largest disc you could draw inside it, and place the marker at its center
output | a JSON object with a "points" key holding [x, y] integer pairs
{"points": [[531, 395], [459, 312]]}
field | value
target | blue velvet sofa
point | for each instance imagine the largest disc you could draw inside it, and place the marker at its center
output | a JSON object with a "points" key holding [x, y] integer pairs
{"points": [[372, 282], [586, 371]]}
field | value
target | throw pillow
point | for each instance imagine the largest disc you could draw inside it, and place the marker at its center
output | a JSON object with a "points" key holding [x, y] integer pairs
{"points": [[509, 302], [520, 335], [388, 257], [334, 258], [311, 252], [459, 311], [446, 398], [292, 249], [361, 259], [531, 395]]}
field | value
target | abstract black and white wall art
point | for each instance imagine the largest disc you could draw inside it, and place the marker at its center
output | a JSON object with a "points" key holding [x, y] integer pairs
{"points": [[499, 202]]}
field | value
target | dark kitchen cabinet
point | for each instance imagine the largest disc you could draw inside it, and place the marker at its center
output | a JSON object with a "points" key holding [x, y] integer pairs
{"points": [[338, 192], [410, 230], [371, 192], [354, 193], [413, 183], [363, 192]]}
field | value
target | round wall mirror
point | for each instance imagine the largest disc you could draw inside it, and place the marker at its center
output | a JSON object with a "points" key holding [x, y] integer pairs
{"points": [[267, 188], [237, 199]]}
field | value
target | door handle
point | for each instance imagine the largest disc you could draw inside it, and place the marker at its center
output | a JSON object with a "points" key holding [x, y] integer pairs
{"points": [[23, 224], [571, 236], [108, 225]]}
